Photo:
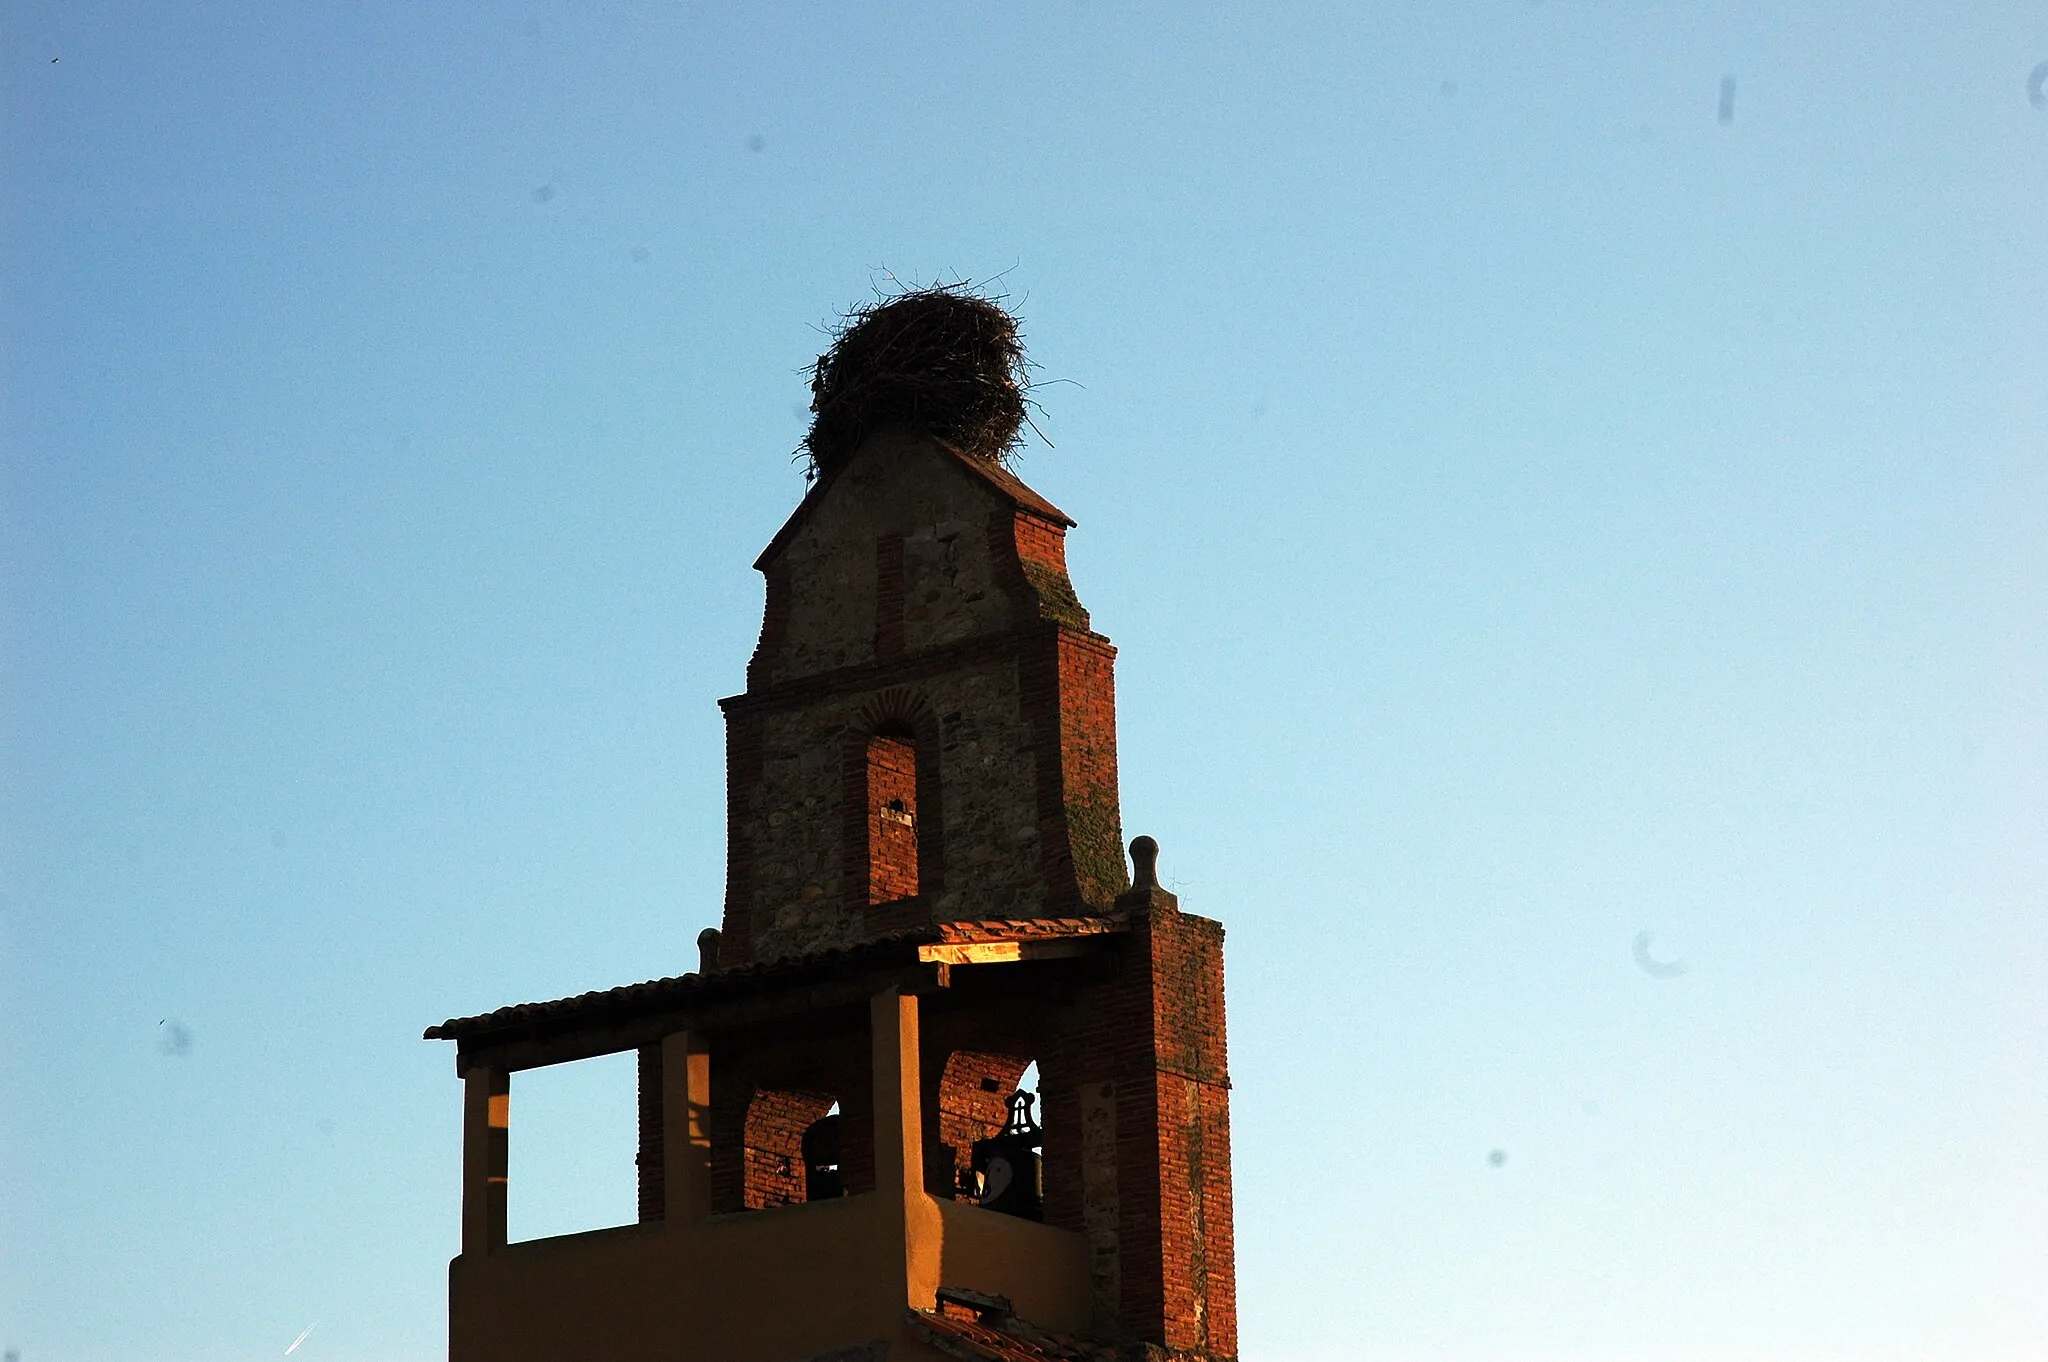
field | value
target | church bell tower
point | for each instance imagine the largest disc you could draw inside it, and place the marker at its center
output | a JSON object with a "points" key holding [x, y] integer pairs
{"points": [[926, 898]]}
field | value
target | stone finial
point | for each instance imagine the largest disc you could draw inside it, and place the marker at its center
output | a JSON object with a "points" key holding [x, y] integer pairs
{"points": [[707, 950], [1145, 891], [1144, 863]]}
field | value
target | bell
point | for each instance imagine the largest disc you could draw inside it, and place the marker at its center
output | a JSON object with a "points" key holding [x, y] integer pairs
{"points": [[1008, 1170]]}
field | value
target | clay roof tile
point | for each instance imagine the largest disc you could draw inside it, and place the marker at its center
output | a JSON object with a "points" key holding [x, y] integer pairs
{"points": [[680, 990]]}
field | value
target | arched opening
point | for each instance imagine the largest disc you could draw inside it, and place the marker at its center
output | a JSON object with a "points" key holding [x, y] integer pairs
{"points": [[892, 814], [985, 1154], [822, 1176], [785, 1130]]}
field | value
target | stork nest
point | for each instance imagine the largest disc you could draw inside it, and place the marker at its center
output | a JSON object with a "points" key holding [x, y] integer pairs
{"points": [[942, 361]]}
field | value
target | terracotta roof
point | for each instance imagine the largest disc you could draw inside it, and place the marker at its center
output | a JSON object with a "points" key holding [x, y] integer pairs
{"points": [[1011, 486], [1004, 1338], [658, 995], [630, 996]]}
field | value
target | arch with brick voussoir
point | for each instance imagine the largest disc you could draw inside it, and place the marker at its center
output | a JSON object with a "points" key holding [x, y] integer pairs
{"points": [[971, 1102], [778, 1122], [994, 1024], [772, 1089]]}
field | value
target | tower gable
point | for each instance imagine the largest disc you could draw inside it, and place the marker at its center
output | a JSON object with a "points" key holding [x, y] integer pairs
{"points": [[905, 546], [928, 732]]}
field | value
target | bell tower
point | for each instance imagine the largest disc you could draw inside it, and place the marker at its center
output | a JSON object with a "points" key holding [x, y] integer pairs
{"points": [[929, 728], [926, 899]]}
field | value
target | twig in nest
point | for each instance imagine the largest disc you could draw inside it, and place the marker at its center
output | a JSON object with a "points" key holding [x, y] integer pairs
{"points": [[945, 361]]}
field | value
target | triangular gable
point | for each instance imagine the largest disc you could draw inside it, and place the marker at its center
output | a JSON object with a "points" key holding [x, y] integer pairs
{"points": [[1006, 483]]}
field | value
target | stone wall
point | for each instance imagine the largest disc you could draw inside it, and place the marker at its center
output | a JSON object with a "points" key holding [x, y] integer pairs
{"points": [[923, 595], [907, 494], [805, 815]]}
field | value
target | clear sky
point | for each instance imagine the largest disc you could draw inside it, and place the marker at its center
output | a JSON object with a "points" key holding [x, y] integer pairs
{"points": [[1543, 494]]}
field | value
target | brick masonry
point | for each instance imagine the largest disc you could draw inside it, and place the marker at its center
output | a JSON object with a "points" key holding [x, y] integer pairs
{"points": [[972, 1103], [928, 735], [649, 1159], [916, 596]]}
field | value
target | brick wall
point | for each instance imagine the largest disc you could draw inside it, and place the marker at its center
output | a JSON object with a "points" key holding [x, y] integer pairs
{"points": [[773, 1151], [891, 821], [1148, 1180], [913, 596], [767, 1089], [1196, 1287], [649, 1159], [972, 1102], [888, 596], [922, 643]]}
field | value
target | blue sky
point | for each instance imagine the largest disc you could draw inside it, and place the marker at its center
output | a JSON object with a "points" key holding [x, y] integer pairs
{"points": [[1533, 511]]}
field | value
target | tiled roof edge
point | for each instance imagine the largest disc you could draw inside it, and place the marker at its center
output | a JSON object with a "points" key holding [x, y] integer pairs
{"points": [[681, 987]]}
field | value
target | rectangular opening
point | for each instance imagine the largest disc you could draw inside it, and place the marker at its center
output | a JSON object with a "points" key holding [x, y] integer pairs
{"points": [[574, 1131], [892, 816]]}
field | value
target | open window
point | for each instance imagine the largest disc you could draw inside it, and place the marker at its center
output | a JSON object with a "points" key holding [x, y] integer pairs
{"points": [[571, 1158], [985, 1154]]}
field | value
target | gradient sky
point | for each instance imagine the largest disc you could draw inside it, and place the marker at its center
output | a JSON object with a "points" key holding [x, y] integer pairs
{"points": [[1534, 510]]}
